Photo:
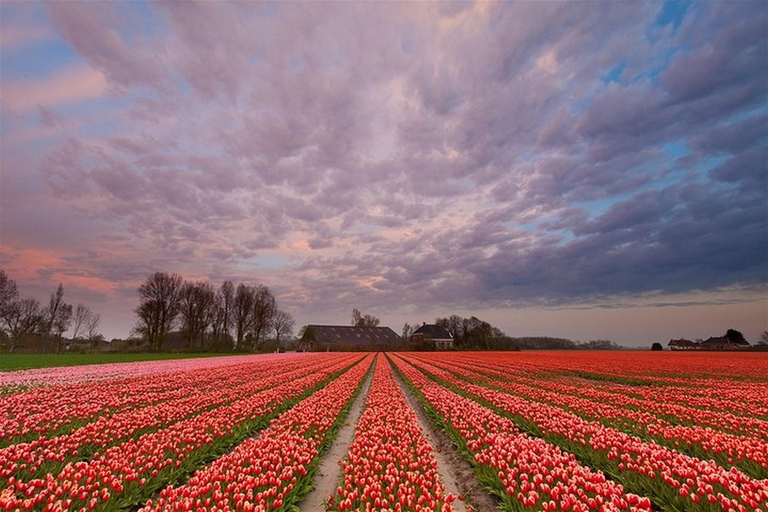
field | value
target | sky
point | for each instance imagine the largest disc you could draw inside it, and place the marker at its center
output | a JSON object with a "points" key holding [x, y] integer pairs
{"points": [[589, 170]]}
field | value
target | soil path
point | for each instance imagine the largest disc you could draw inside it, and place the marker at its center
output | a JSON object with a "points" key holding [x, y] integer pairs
{"points": [[329, 472], [458, 476]]}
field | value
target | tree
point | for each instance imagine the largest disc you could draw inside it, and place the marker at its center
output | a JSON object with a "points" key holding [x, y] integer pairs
{"points": [[61, 323], [158, 307], [242, 312], [9, 293], [80, 319], [360, 320], [22, 317], [196, 308], [92, 326], [264, 310], [283, 324], [763, 339], [222, 324], [454, 325], [408, 329], [9, 296], [58, 317], [657, 346], [734, 336]]}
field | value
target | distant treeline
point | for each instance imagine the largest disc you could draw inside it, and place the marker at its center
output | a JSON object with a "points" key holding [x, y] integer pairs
{"points": [[476, 334]]}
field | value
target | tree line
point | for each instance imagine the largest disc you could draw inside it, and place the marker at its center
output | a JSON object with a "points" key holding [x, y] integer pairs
{"points": [[475, 334], [229, 317], [22, 318]]}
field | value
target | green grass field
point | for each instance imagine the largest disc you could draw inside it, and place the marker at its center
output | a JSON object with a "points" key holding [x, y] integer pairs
{"points": [[10, 362]]}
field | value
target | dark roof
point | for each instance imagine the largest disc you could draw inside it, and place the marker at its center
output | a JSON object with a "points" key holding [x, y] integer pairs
{"points": [[350, 335], [434, 332], [683, 343]]}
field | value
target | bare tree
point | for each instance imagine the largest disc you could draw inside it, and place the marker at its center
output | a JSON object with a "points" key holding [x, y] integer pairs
{"points": [[197, 301], [408, 329], [9, 293], [264, 310], [158, 307], [58, 317], [9, 296], [242, 312], [222, 323], [80, 319], [92, 326], [283, 324], [22, 317], [360, 320]]}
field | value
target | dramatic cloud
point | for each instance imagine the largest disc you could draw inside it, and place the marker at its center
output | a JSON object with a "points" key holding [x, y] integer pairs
{"points": [[404, 159]]}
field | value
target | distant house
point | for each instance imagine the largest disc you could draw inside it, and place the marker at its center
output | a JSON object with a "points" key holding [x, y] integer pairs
{"points": [[683, 344], [723, 343], [345, 338], [430, 336]]}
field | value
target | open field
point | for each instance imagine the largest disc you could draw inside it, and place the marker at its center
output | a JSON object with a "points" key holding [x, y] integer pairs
{"points": [[395, 431], [10, 362]]}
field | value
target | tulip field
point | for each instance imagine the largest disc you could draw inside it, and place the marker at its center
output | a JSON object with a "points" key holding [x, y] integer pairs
{"points": [[572, 431]]}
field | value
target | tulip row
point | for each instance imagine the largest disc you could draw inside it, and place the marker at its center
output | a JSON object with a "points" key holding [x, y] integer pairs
{"points": [[702, 411], [50, 455], [390, 465], [664, 368], [271, 471], [740, 396], [672, 479], [128, 473], [108, 371], [748, 453], [526, 473], [705, 380], [53, 410]]}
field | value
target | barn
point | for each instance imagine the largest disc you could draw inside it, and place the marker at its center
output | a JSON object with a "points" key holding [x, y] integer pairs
{"points": [[337, 338], [431, 337]]}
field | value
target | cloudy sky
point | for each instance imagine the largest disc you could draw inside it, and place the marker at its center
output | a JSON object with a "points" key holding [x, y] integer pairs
{"points": [[579, 169]]}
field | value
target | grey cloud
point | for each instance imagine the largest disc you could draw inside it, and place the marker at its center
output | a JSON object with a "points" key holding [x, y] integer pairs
{"points": [[328, 123], [93, 30], [733, 138]]}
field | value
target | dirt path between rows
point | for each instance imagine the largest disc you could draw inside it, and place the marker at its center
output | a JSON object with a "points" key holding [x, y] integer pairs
{"points": [[329, 472], [458, 476]]}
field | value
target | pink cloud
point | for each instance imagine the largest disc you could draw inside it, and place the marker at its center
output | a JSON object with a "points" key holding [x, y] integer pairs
{"points": [[78, 83], [14, 35]]}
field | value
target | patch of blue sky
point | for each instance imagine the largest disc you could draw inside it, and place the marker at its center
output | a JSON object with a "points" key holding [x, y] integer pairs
{"points": [[40, 59], [615, 73], [540, 227], [271, 261], [676, 149], [673, 13], [142, 21], [706, 165], [759, 110], [364, 229]]}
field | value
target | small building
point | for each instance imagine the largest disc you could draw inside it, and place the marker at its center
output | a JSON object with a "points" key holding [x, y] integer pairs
{"points": [[683, 344], [345, 338], [431, 337], [723, 343]]}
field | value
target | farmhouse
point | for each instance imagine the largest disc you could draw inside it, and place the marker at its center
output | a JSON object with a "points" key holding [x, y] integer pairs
{"points": [[723, 343], [334, 338], [431, 337], [683, 344], [713, 343]]}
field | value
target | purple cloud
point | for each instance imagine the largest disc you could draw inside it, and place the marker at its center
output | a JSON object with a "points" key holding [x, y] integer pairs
{"points": [[429, 156]]}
